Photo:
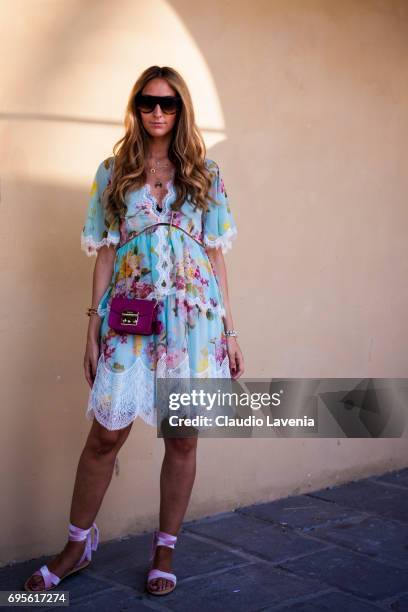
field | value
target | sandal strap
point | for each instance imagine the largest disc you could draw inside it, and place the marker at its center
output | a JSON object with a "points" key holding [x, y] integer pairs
{"points": [[156, 573], [162, 538], [77, 534], [95, 537], [49, 578]]}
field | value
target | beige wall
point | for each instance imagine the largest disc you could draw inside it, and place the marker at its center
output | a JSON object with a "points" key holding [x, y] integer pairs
{"points": [[303, 105]]}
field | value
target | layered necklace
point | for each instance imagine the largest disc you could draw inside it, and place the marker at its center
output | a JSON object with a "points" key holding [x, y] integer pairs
{"points": [[162, 175]]}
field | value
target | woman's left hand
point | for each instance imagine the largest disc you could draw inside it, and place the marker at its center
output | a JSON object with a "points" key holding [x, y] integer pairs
{"points": [[235, 356]]}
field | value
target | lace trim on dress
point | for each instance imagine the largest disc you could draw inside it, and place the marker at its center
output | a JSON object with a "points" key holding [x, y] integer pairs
{"points": [[164, 264], [224, 241], [117, 398], [91, 246], [163, 205]]}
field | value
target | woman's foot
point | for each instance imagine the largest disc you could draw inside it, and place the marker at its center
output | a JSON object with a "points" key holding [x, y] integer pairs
{"points": [[61, 564], [162, 561]]}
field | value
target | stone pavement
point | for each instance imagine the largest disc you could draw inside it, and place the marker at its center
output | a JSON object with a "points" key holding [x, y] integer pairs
{"points": [[343, 548]]}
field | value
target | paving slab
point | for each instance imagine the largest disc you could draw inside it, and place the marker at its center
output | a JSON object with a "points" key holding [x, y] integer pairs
{"points": [[253, 536], [369, 496], [241, 589], [334, 601], [356, 574], [111, 600], [400, 604], [379, 538], [301, 512], [398, 477]]}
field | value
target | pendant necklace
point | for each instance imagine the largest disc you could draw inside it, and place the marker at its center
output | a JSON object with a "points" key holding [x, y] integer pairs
{"points": [[158, 184]]}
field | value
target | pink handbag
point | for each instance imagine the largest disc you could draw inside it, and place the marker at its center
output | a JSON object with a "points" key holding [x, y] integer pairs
{"points": [[133, 315]]}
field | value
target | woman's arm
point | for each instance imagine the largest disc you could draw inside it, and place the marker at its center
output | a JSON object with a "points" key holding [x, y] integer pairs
{"points": [[218, 263], [102, 276], [236, 359]]}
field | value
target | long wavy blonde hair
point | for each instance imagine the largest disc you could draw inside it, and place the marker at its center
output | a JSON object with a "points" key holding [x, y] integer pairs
{"points": [[186, 151]]}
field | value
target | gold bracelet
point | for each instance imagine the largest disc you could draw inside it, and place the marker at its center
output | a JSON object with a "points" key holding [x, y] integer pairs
{"points": [[91, 311]]}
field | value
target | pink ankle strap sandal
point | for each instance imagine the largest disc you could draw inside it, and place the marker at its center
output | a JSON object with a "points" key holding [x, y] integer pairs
{"points": [[76, 534], [161, 538]]}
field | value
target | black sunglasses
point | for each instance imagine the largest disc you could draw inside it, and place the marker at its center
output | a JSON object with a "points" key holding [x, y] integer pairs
{"points": [[168, 104]]}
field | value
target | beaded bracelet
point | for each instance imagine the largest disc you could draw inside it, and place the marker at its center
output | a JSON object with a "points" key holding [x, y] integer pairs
{"points": [[230, 332], [90, 311]]}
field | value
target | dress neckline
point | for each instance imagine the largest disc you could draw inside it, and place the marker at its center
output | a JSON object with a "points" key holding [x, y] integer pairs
{"points": [[163, 205]]}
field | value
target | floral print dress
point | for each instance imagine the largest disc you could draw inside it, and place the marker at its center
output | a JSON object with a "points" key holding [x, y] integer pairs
{"points": [[160, 254]]}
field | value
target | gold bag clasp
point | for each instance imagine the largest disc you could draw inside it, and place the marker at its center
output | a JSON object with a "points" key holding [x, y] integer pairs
{"points": [[129, 317]]}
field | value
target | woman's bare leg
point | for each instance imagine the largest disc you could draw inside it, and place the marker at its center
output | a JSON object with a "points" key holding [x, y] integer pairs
{"points": [[176, 483], [94, 473]]}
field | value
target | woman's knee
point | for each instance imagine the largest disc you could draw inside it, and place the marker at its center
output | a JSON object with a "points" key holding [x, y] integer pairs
{"points": [[104, 441], [181, 446]]}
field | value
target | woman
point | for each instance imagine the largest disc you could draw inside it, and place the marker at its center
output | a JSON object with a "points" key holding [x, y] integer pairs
{"points": [[162, 206]]}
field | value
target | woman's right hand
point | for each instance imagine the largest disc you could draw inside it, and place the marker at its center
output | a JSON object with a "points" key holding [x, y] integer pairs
{"points": [[91, 357]]}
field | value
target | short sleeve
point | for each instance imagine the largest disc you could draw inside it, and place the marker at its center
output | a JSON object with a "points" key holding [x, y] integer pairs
{"points": [[219, 227], [97, 232]]}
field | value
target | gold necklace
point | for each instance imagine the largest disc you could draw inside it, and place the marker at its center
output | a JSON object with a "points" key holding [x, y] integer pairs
{"points": [[158, 183]]}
